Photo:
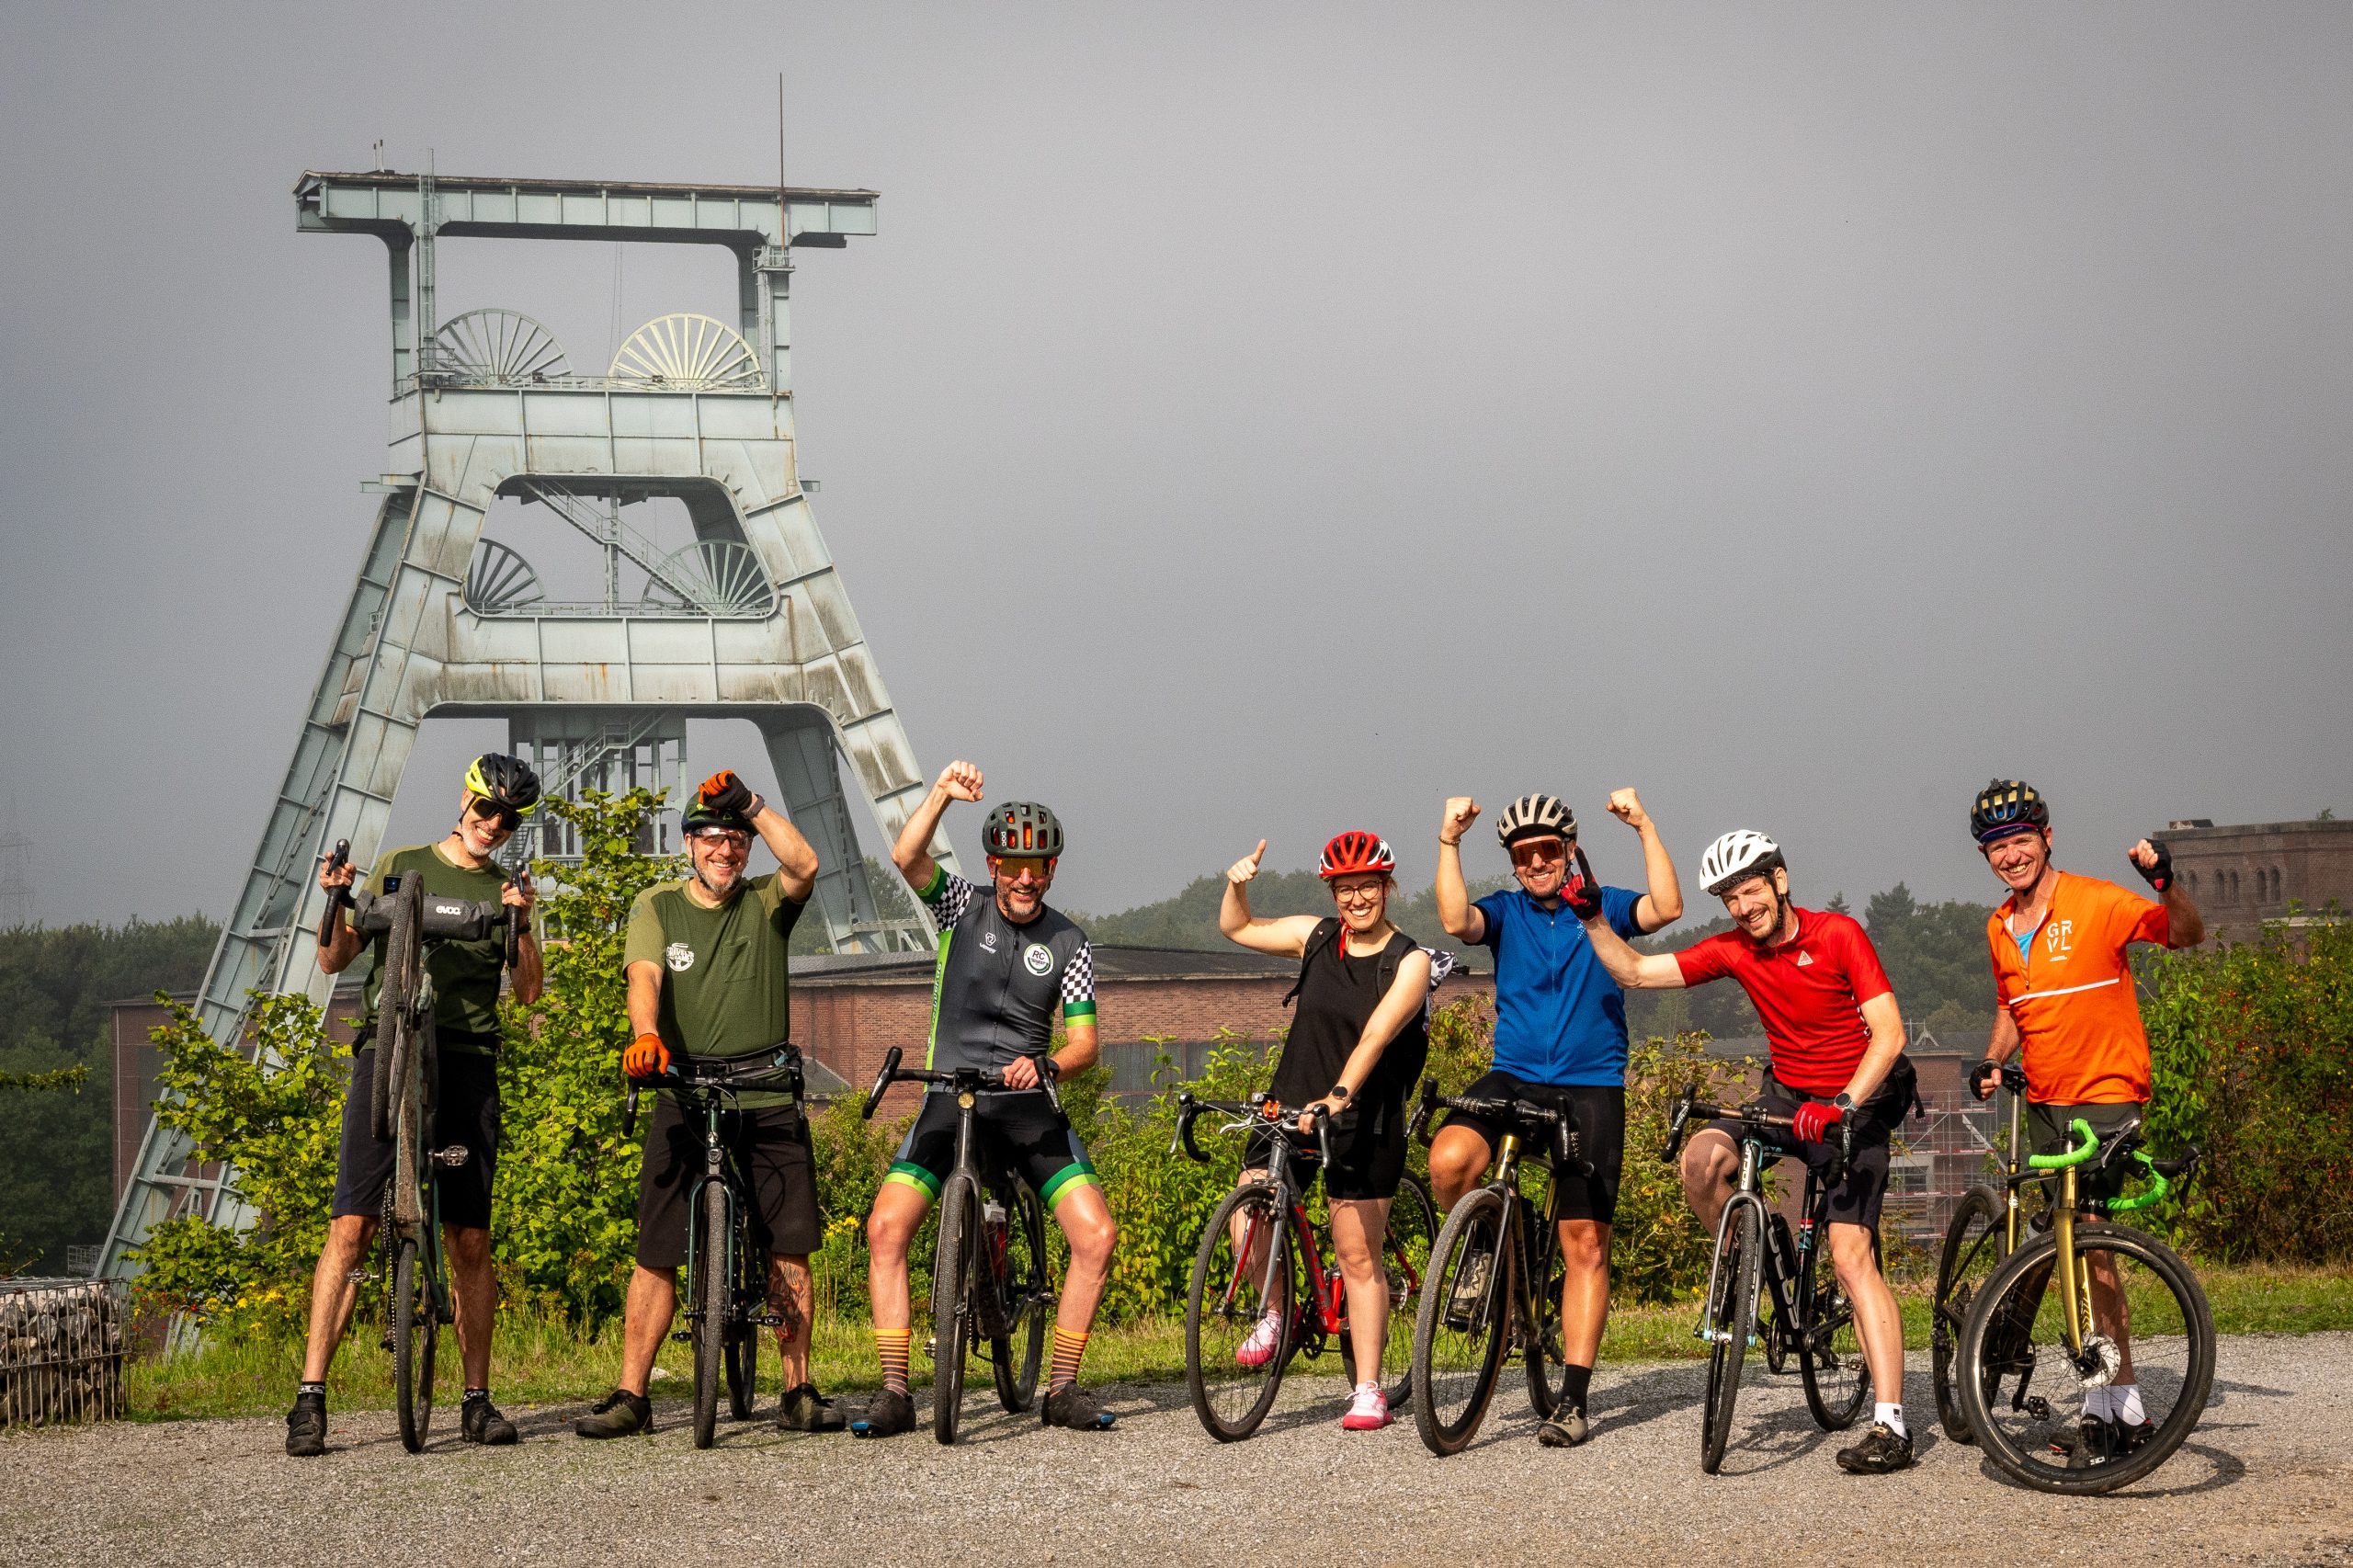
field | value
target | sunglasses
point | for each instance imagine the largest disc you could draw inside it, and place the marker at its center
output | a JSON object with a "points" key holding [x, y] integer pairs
{"points": [[1014, 864], [1538, 851]]}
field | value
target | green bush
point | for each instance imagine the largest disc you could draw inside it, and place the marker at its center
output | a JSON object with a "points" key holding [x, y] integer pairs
{"points": [[2251, 1048]]}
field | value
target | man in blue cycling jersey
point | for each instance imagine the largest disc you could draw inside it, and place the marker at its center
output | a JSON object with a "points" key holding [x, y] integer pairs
{"points": [[1559, 1041]]}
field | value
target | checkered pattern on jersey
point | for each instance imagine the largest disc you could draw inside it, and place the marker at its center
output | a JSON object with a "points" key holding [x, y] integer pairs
{"points": [[1078, 977]]}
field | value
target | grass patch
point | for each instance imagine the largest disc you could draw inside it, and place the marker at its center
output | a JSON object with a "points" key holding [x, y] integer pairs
{"points": [[539, 1362]]}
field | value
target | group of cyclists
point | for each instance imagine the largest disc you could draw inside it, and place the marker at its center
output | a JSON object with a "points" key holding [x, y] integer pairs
{"points": [[706, 970]]}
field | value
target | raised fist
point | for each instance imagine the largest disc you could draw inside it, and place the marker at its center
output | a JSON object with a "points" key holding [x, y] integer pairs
{"points": [[1627, 807], [1462, 810], [961, 780]]}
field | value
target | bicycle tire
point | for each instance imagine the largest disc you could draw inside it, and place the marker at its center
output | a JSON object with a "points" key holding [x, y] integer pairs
{"points": [[416, 1336], [1015, 1356], [1732, 1318], [1546, 1356], [1830, 1348], [1479, 1222], [1406, 1249], [1976, 1243], [951, 1297], [1225, 1301], [709, 1311], [2018, 1447], [395, 995]]}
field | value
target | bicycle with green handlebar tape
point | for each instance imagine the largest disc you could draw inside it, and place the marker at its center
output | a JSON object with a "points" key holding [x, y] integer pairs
{"points": [[2086, 1356]]}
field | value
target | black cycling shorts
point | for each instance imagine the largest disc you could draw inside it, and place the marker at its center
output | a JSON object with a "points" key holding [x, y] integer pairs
{"points": [[1856, 1201], [1598, 1112], [1368, 1152], [465, 1111], [1021, 1130], [2048, 1134], [770, 1144]]}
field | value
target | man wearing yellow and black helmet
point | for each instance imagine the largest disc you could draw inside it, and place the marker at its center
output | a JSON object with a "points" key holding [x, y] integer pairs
{"points": [[499, 791]]}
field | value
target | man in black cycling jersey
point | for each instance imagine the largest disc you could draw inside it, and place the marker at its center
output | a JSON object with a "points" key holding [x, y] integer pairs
{"points": [[1010, 968], [498, 792]]}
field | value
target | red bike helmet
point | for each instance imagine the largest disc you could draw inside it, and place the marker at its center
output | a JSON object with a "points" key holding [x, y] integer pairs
{"points": [[1356, 854]]}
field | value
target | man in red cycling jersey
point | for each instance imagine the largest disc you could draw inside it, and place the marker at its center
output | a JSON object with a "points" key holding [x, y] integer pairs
{"points": [[2063, 992], [1837, 1052]]}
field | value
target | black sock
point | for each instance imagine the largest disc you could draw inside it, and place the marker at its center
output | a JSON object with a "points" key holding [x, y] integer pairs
{"points": [[1574, 1381], [310, 1391], [473, 1394]]}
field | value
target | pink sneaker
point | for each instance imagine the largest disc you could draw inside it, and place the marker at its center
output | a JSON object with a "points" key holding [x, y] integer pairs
{"points": [[1368, 1412], [1259, 1348]]}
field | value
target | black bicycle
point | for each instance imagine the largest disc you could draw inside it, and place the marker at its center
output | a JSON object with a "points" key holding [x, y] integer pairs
{"points": [[1985, 1228], [990, 1294], [1262, 1290], [406, 1071], [1773, 1290], [1496, 1276], [727, 1271]]}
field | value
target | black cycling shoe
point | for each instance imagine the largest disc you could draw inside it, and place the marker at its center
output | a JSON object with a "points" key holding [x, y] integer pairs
{"points": [[1568, 1427], [1070, 1406], [306, 1427], [1879, 1452], [888, 1414], [617, 1414], [479, 1421], [806, 1410]]}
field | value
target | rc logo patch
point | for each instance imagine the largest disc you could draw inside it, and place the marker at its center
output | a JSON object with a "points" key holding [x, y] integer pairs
{"points": [[679, 957], [1037, 960]]}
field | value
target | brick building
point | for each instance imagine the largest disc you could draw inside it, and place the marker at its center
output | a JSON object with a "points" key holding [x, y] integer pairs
{"points": [[2245, 876]]}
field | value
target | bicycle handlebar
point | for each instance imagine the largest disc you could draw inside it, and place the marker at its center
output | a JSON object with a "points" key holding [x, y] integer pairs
{"points": [[337, 897], [1690, 1105], [971, 1078], [2074, 1156], [1568, 1148], [1258, 1110]]}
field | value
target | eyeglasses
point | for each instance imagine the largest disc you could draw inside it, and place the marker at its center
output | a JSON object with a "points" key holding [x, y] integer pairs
{"points": [[722, 838], [1538, 851], [1015, 865], [1363, 892]]}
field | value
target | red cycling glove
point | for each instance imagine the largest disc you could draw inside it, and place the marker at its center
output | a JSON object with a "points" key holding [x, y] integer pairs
{"points": [[1813, 1119]]}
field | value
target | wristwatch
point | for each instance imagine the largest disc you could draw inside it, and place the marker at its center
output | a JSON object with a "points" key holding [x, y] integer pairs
{"points": [[1339, 1092], [1845, 1101]]}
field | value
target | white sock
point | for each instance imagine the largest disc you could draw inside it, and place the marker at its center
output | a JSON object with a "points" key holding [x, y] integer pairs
{"points": [[1890, 1417], [2095, 1404], [2124, 1404]]}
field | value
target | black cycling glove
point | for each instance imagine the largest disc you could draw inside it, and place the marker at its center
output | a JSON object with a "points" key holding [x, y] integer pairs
{"points": [[1978, 1085], [2159, 876], [722, 791], [1583, 895]]}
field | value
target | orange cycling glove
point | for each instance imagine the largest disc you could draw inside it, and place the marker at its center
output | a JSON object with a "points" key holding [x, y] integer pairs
{"points": [[646, 1057]]}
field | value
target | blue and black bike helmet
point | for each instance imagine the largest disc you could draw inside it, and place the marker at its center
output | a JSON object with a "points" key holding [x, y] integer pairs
{"points": [[2004, 806]]}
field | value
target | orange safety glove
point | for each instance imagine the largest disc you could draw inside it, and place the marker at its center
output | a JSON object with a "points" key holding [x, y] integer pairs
{"points": [[646, 1057], [722, 791]]}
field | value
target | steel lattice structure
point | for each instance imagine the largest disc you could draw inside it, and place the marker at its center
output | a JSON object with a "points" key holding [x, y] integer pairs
{"points": [[749, 621]]}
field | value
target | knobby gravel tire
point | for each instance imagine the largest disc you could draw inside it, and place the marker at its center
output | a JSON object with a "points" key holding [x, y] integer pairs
{"points": [[712, 1292], [1732, 1318], [951, 1297], [1480, 1216], [1836, 1393], [1976, 1243], [1230, 1420], [1015, 1356], [416, 1333]]}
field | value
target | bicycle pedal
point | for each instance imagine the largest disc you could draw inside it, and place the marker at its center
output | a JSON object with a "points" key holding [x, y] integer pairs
{"points": [[931, 1348], [455, 1154], [771, 1319], [682, 1337]]}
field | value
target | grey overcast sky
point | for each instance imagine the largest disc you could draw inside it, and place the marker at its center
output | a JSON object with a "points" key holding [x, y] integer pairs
{"points": [[1271, 418]]}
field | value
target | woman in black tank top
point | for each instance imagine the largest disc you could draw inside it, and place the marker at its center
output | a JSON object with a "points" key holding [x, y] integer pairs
{"points": [[1357, 1044]]}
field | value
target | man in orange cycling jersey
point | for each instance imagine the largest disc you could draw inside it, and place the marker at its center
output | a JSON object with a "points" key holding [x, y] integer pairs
{"points": [[2063, 992]]}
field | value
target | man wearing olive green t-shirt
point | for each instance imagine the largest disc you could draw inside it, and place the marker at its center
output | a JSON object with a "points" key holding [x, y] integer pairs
{"points": [[706, 964]]}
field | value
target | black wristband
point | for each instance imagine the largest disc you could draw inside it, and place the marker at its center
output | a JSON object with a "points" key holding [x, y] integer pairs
{"points": [[1050, 1069]]}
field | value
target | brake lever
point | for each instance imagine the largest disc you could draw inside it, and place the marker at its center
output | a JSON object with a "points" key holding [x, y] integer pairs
{"points": [[882, 1082], [338, 898]]}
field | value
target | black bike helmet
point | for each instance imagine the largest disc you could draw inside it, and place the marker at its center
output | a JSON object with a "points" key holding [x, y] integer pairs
{"points": [[504, 780], [698, 815], [1022, 827], [2004, 806]]}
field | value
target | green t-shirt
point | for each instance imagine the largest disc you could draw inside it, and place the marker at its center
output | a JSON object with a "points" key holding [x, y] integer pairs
{"points": [[465, 974], [724, 972]]}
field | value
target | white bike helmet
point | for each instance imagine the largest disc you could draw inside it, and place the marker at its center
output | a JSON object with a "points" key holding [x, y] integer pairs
{"points": [[1535, 816], [1737, 856]]}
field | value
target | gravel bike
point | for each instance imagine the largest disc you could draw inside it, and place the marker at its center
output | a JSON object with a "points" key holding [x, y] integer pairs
{"points": [[990, 1290], [1773, 1290], [1984, 1228], [1263, 1264], [2126, 1310], [406, 1072], [727, 1270], [1496, 1276]]}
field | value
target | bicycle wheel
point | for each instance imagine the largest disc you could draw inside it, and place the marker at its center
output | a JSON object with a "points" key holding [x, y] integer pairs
{"points": [[1547, 1357], [952, 1301], [744, 1325], [1239, 1310], [1464, 1324], [709, 1310], [396, 990], [416, 1333], [1013, 1354], [2025, 1394], [1406, 1261], [1731, 1320], [1975, 1244], [1830, 1351]]}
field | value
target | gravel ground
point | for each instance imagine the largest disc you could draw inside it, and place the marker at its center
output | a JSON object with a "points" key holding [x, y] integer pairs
{"points": [[2264, 1481]]}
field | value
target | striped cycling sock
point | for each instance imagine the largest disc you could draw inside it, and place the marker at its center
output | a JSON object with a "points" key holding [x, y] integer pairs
{"points": [[891, 1344], [1069, 1345]]}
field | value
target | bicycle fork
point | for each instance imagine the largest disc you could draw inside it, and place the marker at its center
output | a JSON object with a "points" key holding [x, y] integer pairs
{"points": [[1745, 1193]]}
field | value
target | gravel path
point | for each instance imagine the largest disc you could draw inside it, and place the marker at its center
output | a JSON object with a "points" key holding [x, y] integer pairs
{"points": [[2266, 1480]]}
